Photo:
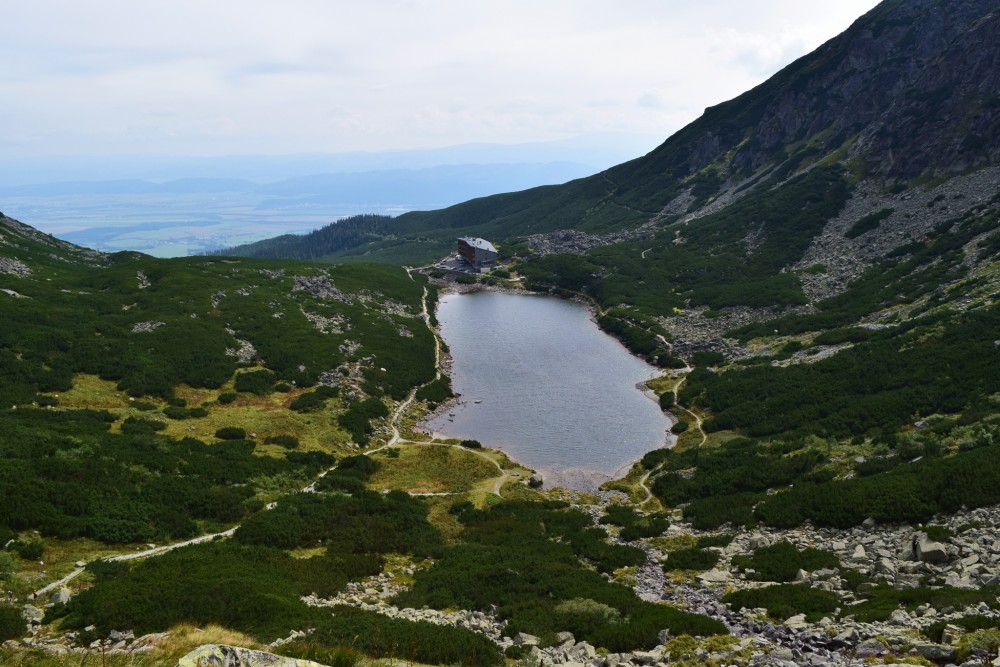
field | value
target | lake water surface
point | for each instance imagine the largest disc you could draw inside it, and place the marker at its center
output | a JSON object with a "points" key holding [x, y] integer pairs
{"points": [[542, 382]]}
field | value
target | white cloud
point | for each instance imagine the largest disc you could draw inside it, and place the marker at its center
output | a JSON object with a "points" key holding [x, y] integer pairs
{"points": [[245, 76]]}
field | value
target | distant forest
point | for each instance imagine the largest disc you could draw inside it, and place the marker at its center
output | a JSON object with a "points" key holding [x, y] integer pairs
{"points": [[341, 235]]}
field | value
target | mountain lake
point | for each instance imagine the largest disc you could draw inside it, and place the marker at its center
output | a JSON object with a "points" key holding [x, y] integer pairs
{"points": [[539, 380]]}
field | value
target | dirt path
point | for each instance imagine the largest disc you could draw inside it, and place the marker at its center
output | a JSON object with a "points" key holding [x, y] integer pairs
{"points": [[154, 551], [695, 417], [642, 485], [643, 481], [402, 407], [501, 480], [395, 438]]}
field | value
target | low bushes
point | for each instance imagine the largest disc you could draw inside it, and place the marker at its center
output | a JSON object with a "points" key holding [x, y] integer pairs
{"points": [[12, 624], [33, 550], [524, 558], [286, 441], [252, 589], [691, 559], [382, 637], [364, 522], [174, 412], [971, 623], [710, 513], [782, 561], [66, 475], [357, 419], [882, 601], [139, 426], [785, 600], [436, 391], [914, 493], [231, 433], [256, 382], [635, 525], [313, 400]]}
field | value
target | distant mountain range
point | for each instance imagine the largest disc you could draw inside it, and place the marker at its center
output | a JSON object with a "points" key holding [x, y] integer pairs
{"points": [[428, 186], [175, 205]]}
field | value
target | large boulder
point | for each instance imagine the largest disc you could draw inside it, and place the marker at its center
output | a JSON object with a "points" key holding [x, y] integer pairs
{"points": [[524, 639], [220, 655], [928, 551], [32, 614], [61, 596], [935, 652], [714, 576]]}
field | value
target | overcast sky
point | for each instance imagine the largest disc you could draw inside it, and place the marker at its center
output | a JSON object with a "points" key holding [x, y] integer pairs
{"points": [[187, 77]]}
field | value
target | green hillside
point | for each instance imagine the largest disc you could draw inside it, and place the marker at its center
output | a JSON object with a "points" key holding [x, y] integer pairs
{"points": [[813, 266]]}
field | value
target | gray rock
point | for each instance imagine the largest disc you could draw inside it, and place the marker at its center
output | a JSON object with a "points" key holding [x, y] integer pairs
{"points": [[220, 655], [797, 621], [117, 636], [928, 551], [900, 617], [870, 648], [32, 614], [60, 596], [585, 651], [524, 639], [647, 657], [950, 634], [714, 576], [935, 652], [565, 638], [885, 566], [784, 654]]}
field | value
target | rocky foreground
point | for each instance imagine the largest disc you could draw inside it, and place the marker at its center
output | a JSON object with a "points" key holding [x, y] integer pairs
{"points": [[900, 556]]}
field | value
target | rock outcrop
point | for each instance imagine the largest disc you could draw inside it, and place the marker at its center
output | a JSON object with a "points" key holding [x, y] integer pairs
{"points": [[220, 655]]}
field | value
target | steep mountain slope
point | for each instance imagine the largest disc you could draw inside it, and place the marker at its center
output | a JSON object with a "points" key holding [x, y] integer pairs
{"points": [[909, 91]]}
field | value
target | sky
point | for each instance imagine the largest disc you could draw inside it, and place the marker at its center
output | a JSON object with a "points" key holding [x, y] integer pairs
{"points": [[232, 77]]}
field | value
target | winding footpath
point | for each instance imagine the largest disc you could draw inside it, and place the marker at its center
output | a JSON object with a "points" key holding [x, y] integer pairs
{"points": [[643, 481]]}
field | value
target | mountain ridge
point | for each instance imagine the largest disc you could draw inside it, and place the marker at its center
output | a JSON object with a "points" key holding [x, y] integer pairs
{"points": [[909, 78]]}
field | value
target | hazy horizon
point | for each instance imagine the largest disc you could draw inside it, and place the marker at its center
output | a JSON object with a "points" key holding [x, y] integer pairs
{"points": [[170, 206]]}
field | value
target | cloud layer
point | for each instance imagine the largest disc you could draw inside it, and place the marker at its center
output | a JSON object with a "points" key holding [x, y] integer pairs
{"points": [[258, 76]]}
